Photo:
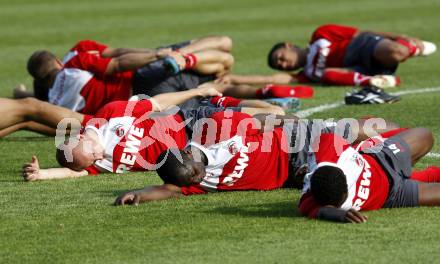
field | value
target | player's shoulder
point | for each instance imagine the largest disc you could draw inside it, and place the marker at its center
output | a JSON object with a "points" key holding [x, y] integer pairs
{"points": [[329, 147]]}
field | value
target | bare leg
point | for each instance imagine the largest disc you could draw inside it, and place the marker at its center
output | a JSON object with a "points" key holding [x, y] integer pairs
{"points": [[240, 91], [221, 43], [390, 53], [30, 109], [265, 106], [429, 194], [213, 62], [420, 141], [29, 125]]}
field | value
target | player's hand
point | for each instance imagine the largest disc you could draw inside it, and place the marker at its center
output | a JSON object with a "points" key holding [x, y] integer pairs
{"points": [[355, 217], [209, 89], [31, 171], [131, 198], [225, 80]]}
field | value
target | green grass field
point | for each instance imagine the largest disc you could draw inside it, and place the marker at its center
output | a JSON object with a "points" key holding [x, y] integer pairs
{"points": [[73, 221]]}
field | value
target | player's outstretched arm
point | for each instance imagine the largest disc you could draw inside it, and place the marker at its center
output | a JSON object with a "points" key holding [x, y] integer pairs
{"points": [[32, 172], [131, 61], [166, 100], [339, 215], [150, 193], [116, 52], [309, 207]]}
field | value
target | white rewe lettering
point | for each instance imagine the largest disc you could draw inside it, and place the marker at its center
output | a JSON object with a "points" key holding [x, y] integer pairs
{"points": [[132, 145], [364, 188], [242, 163]]}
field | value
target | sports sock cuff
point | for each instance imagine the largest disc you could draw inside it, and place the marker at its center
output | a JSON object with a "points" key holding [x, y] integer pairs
{"points": [[411, 47], [225, 101], [190, 61]]}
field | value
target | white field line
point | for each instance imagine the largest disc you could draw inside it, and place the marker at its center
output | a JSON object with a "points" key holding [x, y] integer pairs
{"points": [[308, 112], [433, 155]]}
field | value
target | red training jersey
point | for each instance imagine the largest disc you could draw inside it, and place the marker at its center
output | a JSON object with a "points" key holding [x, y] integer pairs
{"points": [[82, 85], [133, 136], [239, 157], [366, 180], [327, 49]]}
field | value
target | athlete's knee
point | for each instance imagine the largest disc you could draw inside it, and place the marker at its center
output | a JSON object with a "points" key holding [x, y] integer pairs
{"points": [[427, 136], [423, 137], [228, 60], [224, 43], [31, 106]]}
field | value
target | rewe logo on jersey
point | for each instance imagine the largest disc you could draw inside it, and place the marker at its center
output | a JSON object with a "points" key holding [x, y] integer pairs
{"points": [[242, 163], [119, 130], [232, 147], [131, 149], [364, 188]]}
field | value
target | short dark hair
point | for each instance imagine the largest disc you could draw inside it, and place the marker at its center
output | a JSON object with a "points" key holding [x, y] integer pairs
{"points": [[174, 171], [62, 160], [328, 185], [270, 61], [39, 65]]}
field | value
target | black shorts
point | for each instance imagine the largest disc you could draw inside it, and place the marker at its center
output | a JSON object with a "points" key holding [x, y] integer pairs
{"points": [[394, 155], [300, 137], [191, 116], [359, 56], [154, 79]]}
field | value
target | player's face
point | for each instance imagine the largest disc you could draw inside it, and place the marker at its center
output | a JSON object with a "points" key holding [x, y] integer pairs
{"points": [[286, 58], [199, 172], [87, 152]]}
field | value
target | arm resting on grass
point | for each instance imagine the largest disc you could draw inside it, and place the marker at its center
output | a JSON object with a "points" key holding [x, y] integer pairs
{"points": [[32, 172], [309, 207], [149, 193]]}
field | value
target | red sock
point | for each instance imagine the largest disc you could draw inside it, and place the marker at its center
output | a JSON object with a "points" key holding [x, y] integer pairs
{"points": [[281, 91], [411, 47], [225, 101], [431, 174], [190, 61], [345, 78]]}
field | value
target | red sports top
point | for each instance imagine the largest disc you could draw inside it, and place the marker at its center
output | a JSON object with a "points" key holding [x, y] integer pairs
{"points": [[240, 158], [327, 49], [82, 85], [366, 180], [133, 136]]}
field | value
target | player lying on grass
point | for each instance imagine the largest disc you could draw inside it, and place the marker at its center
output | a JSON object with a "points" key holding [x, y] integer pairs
{"points": [[92, 74], [341, 55], [128, 135], [244, 158], [344, 180], [41, 117]]}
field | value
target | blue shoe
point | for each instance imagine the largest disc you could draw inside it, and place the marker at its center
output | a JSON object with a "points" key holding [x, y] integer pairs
{"points": [[171, 65], [289, 104]]}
